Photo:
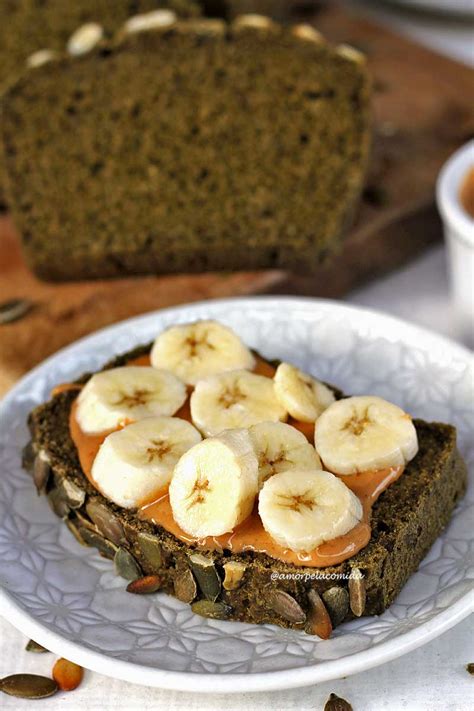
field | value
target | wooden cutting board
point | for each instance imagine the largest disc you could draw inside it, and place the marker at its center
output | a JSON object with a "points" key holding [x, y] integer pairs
{"points": [[422, 113]]}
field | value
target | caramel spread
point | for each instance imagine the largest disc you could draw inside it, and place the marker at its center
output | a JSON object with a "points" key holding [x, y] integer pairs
{"points": [[466, 193], [250, 534]]}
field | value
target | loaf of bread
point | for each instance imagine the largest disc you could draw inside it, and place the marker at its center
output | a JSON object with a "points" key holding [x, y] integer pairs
{"points": [[191, 147], [29, 26]]}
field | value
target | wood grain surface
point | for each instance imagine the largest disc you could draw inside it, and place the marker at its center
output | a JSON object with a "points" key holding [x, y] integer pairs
{"points": [[422, 113]]}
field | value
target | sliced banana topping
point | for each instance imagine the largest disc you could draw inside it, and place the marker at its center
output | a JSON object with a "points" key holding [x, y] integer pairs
{"points": [[214, 485], [232, 400], [195, 350], [127, 394], [304, 397], [134, 464], [280, 447], [364, 433], [302, 509]]}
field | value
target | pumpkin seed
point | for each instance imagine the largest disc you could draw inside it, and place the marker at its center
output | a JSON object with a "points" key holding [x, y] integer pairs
{"points": [[41, 471], [335, 703], [470, 667], [33, 646], [67, 675], [84, 521], [105, 547], [14, 309], [357, 592], [73, 495], [336, 600], [206, 575], [28, 457], [28, 686], [286, 606], [209, 608], [75, 532], [58, 503], [234, 573], [107, 523], [150, 548], [145, 585], [125, 565], [185, 587], [318, 621]]}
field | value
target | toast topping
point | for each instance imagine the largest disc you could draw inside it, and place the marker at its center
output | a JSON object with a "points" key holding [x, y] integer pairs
{"points": [[255, 482]]}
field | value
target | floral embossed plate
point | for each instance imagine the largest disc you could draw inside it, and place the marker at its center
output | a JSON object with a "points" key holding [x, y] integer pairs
{"points": [[68, 598]]}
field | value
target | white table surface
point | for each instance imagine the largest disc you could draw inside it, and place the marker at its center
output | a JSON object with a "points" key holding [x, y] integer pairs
{"points": [[431, 678]]}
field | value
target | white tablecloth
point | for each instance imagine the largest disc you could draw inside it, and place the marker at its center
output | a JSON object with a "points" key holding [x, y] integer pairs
{"points": [[431, 678]]}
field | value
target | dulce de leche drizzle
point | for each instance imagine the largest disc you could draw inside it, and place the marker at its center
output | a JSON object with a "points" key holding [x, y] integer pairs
{"points": [[250, 534]]}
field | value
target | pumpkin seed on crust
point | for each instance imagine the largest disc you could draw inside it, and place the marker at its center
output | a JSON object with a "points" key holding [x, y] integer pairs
{"points": [[126, 566], [286, 606], [105, 547], [150, 548], [185, 588], [336, 600], [107, 523], [206, 575], [41, 471], [212, 609]]}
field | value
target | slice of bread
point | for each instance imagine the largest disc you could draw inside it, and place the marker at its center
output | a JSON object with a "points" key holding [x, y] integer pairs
{"points": [[27, 27], [406, 520], [199, 147]]}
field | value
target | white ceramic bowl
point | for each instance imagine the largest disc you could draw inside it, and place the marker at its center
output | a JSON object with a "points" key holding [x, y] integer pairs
{"points": [[459, 235], [69, 599]]}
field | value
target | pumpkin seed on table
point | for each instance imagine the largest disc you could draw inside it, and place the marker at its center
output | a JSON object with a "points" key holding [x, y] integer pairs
{"points": [[206, 575], [28, 686], [67, 675], [470, 667], [185, 587], [33, 646], [14, 309], [336, 600], [145, 585], [336, 703]]}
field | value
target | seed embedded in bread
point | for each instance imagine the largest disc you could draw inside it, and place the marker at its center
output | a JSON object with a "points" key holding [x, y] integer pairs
{"points": [[85, 39]]}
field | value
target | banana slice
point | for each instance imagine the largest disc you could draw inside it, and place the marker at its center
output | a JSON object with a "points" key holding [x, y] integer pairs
{"points": [[302, 509], [279, 448], [195, 350], [232, 400], [214, 485], [134, 464], [364, 433], [304, 397], [128, 393]]}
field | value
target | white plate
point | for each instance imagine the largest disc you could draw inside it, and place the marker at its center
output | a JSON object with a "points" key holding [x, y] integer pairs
{"points": [[68, 598], [447, 7]]}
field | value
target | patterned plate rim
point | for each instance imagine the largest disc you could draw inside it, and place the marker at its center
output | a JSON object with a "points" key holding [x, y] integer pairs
{"points": [[202, 682]]}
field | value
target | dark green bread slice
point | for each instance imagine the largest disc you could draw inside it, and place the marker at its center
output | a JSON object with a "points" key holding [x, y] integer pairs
{"points": [[203, 147], [27, 26], [406, 521]]}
